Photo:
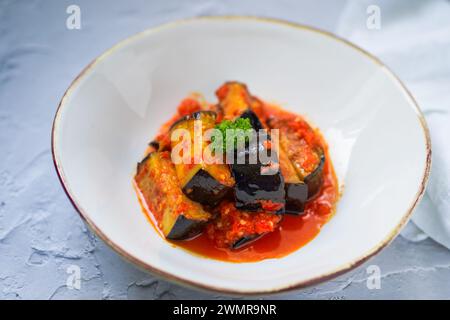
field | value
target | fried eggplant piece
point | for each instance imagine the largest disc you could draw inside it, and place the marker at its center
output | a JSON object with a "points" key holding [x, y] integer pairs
{"points": [[176, 216], [253, 190], [233, 228], [204, 183]]}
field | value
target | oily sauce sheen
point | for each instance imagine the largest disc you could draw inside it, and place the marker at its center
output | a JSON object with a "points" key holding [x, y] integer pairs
{"points": [[293, 231]]}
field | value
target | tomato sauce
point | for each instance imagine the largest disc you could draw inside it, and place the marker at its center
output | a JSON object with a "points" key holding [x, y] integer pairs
{"points": [[294, 231]]}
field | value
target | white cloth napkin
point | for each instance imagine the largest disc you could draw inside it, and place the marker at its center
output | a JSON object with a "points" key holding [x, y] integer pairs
{"points": [[414, 41]]}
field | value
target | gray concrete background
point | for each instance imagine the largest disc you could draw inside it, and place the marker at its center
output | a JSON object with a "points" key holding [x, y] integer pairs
{"points": [[41, 235]]}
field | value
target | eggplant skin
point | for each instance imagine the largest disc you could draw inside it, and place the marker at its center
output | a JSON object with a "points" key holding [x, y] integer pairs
{"points": [[242, 242], [194, 116], [142, 163], [254, 120], [252, 187], [184, 229], [314, 180], [204, 189], [154, 144], [296, 190], [296, 197]]}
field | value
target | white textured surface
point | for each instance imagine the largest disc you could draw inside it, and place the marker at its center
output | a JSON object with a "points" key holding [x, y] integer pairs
{"points": [[40, 232], [414, 41]]}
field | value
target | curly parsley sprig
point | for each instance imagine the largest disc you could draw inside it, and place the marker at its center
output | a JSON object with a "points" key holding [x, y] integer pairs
{"points": [[227, 126]]}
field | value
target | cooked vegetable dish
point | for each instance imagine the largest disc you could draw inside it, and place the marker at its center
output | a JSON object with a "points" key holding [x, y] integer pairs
{"points": [[237, 180]]}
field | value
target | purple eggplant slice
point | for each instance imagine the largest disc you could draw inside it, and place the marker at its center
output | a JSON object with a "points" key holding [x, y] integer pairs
{"points": [[204, 188], [314, 180], [307, 159], [176, 216], [253, 189], [205, 183], [296, 190]]}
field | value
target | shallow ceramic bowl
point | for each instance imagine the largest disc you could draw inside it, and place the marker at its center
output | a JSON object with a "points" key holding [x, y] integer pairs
{"points": [[377, 136]]}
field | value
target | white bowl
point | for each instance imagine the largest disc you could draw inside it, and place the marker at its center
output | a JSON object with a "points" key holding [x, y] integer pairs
{"points": [[378, 139]]}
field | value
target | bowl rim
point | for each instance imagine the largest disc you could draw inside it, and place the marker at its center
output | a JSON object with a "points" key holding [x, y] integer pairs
{"points": [[215, 289]]}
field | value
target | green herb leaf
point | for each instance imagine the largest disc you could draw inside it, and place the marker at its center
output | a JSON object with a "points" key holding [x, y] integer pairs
{"points": [[227, 126]]}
